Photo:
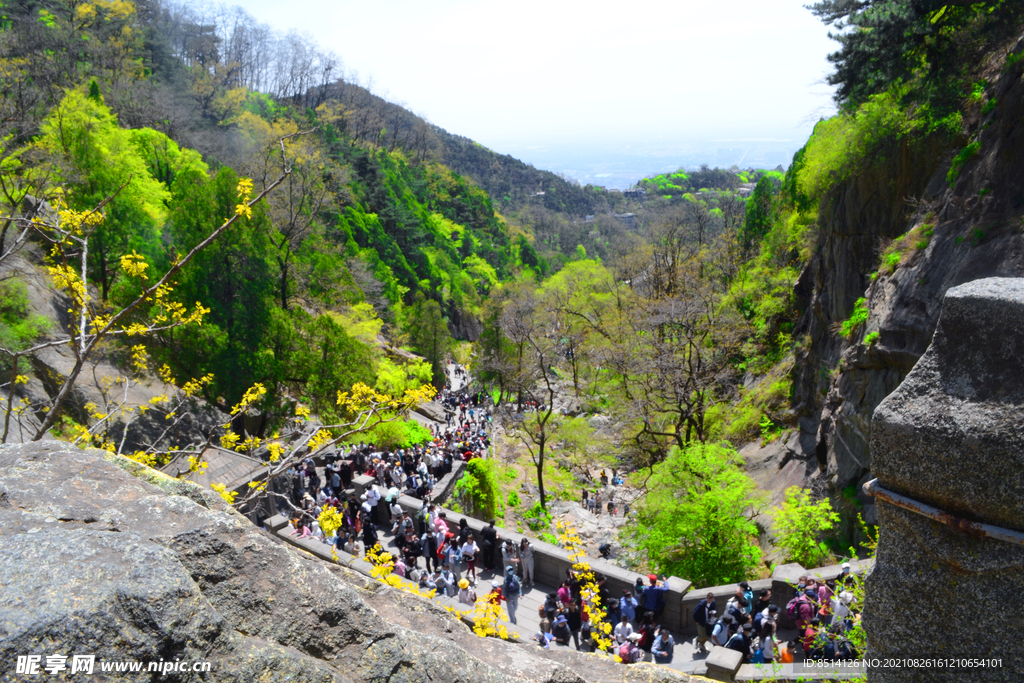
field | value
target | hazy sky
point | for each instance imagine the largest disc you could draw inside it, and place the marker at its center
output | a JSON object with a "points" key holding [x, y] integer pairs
{"points": [[548, 71]]}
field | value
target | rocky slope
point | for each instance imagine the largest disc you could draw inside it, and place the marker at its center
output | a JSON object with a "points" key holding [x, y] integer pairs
{"points": [[977, 232], [97, 560]]}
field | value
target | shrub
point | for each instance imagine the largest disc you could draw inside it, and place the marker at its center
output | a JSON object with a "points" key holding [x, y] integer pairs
{"points": [[798, 525], [478, 488], [871, 338], [856, 319], [537, 518], [960, 160], [694, 521], [513, 499]]}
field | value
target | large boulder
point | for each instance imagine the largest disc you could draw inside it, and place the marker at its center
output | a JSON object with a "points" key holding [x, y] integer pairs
{"points": [[952, 437], [102, 556]]}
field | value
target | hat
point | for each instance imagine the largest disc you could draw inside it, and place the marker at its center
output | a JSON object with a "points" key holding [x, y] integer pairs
{"points": [[748, 627], [633, 637], [811, 593], [846, 567], [772, 609], [560, 619], [496, 584], [463, 584], [509, 569], [652, 578]]}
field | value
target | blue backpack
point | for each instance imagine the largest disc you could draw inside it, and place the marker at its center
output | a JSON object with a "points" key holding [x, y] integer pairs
{"points": [[512, 586]]}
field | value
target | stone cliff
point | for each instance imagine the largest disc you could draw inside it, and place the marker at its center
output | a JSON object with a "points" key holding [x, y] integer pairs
{"points": [[102, 556], [970, 230]]}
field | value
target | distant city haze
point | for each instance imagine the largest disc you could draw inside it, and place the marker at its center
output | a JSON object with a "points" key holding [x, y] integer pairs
{"points": [[605, 93]]}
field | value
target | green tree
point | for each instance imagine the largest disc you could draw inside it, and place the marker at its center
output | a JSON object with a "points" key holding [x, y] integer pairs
{"points": [[799, 525], [95, 159], [430, 337], [478, 488], [762, 210], [695, 520]]}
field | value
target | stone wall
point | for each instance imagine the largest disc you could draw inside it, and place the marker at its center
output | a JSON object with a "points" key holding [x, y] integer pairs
{"points": [[952, 437]]}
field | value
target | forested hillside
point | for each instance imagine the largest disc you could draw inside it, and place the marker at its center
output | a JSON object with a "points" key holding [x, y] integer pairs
{"points": [[205, 207]]}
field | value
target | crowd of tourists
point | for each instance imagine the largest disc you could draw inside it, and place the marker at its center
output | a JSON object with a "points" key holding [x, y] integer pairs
{"points": [[823, 611], [411, 471]]}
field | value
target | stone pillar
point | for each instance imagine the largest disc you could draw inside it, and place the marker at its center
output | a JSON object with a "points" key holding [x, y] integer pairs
{"points": [[952, 437]]}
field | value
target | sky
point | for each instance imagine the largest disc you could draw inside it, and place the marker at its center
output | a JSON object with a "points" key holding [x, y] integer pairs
{"points": [[570, 80]]}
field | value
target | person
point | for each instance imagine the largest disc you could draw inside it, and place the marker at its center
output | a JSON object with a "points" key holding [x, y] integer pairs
{"points": [[654, 596], [560, 630], [841, 609], [646, 630], [825, 594], [564, 593], [490, 540], [737, 608], [701, 613], [574, 618], [586, 495], [448, 576], [543, 635], [623, 630], [551, 605], [509, 556], [737, 642], [748, 595], [495, 597], [526, 561], [627, 606], [768, 629], [663, 646], [808, 634], [512, 590], [805, 608], [764, 599], [469, 554], [720, 633], [630, 652], [467, 596]]}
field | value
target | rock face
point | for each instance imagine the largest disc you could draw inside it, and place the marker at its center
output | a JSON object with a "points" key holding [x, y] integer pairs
{"points": [[952, 437], [976, 227], [95, 560]]}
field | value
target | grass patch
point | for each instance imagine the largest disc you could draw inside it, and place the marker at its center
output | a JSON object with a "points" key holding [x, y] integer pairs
{"points": [[871, 338], [859, 316], [960, 160]]}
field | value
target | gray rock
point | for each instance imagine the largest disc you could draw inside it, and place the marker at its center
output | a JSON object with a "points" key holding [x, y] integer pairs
{"points": [[951, 436], [95, 560]]}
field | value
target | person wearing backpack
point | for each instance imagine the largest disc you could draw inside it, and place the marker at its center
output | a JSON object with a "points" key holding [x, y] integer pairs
{"points": [[512, 590], [701, 612], [748, 595], [737, 642], [720, 633]]}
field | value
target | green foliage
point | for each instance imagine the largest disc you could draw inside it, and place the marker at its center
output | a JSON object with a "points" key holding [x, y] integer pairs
{"points": [[513, 499], [961, 159], [537, 518], [762, 212], [694, 521], [799, 525], [94, 158], [430, 337], [871, 338], [894, 40], [395, 434], [856, 319], [548, 537], [478, 488], [842, 145], [19, 327]]}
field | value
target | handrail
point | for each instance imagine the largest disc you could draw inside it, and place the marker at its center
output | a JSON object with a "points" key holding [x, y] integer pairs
{"points": [[873, 488]]}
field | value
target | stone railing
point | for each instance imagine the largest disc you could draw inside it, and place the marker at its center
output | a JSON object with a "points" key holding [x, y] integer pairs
{"points": [[782, 585]]}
